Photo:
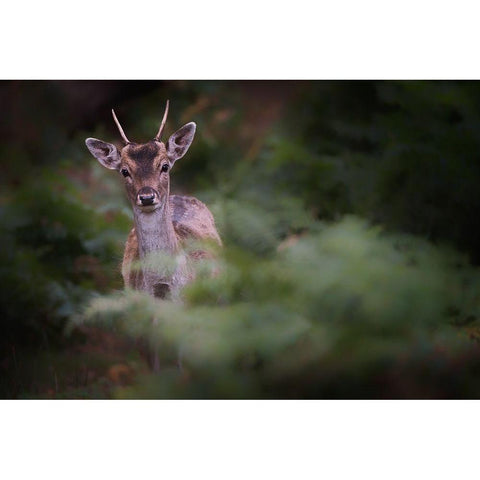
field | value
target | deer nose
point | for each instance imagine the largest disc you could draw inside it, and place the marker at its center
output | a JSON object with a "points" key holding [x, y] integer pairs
{"points": [[146, 196], [147, 199]]}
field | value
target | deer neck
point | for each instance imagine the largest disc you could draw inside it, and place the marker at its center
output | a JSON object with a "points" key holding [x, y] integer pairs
{"points": [[155, 232]]}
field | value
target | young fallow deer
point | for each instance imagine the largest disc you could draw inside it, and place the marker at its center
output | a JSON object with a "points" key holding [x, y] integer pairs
{"points": [[163, 223]]}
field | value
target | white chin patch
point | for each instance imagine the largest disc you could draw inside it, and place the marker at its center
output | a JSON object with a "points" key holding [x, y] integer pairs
{"points": [[147, 208]]}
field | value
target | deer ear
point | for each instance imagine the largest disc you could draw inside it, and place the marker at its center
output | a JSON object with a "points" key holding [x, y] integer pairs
{"points": [[180, 141], [106, 153]]}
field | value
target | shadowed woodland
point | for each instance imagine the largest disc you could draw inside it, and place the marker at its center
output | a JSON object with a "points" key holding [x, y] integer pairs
{"points": [[348, 211]]}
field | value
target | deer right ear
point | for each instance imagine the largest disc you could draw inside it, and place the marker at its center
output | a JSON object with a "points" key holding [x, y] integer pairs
{"points": [[106, 153], [178, 143]]}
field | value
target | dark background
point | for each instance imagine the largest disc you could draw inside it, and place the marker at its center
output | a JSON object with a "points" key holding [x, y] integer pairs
{"points": [[348, 210]]}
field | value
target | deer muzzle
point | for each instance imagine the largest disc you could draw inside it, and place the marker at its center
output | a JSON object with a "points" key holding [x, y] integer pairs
{"points": [[147, 196]]}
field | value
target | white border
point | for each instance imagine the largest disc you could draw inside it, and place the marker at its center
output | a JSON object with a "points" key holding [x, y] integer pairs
{"points": [[247, 40], [239, 439], [224, 40]]}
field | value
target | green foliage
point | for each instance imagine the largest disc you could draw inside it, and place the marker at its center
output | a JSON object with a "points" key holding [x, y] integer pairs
{"points": [[400, 153], [337, 304], [55, 252]]}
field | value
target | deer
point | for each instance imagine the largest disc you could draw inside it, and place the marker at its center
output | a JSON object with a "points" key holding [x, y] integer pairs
{"points": [[163, 223]]}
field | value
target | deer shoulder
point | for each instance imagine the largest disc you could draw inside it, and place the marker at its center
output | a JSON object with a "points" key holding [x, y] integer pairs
{"points": [[192, 219]]}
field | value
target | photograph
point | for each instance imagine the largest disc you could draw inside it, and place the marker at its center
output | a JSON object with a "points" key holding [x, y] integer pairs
{"points": [[240, 239]]}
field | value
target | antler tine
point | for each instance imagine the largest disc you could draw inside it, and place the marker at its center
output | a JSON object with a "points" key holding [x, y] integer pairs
{"points": [[162, 125], [122, 133]]}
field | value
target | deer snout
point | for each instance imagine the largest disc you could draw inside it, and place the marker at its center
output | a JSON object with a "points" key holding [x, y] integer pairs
{"points": [[147, 196]]}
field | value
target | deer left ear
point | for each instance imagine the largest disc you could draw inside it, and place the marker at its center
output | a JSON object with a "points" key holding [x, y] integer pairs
{"points": [[180, 141], [106, 153]]}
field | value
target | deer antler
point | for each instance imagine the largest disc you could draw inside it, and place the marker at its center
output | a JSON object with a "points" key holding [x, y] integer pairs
{"points": [[162, 125], [122, 133]]}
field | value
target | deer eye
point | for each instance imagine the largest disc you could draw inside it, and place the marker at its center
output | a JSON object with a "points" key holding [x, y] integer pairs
{"points": [[124, 172], [165, 167]]}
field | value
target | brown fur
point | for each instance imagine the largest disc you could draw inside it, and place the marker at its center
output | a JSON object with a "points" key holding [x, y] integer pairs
{"points": [[191, 220]]}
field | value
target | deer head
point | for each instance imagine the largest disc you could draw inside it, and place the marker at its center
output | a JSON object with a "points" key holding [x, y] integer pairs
{"points": [[145, 167]]}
